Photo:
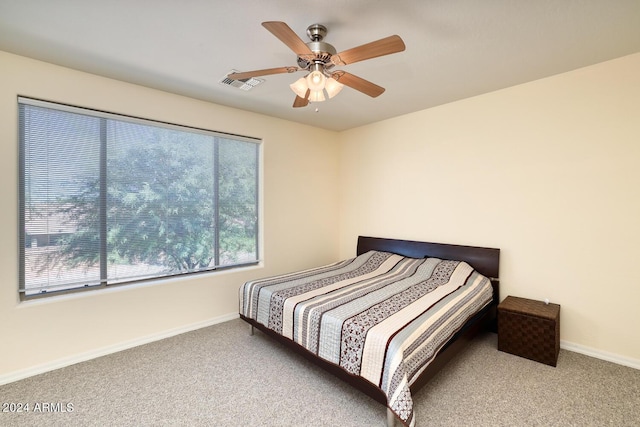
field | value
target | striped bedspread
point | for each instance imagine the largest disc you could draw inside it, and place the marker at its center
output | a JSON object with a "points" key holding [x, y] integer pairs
{"points": [[379, 315]]}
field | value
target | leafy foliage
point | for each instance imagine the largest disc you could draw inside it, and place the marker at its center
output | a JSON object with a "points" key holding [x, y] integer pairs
{"points": [[162, 196]]}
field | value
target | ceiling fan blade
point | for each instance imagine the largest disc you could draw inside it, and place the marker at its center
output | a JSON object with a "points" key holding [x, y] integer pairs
{"points": [[301, 102], [386, 46], [265, 72], [288, 37], [358, 83]]}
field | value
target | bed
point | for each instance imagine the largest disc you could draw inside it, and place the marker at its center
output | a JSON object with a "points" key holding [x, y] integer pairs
{"points": [[386, 320]]}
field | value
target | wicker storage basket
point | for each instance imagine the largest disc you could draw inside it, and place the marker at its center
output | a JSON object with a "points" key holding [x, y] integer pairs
{"points": [[530, 329]]}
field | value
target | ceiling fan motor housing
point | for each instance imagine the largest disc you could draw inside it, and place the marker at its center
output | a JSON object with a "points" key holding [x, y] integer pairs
{"points": [[322, 51]]}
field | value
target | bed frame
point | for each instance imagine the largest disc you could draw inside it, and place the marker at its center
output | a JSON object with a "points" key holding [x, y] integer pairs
{"points": [[484, 260]]}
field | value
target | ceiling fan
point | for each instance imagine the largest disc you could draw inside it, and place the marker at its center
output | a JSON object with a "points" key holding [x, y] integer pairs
{"points": [[318, 58]]}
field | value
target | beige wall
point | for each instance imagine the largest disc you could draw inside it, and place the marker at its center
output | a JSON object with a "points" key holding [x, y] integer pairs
{"points": [[38, 335], [547, 171]]}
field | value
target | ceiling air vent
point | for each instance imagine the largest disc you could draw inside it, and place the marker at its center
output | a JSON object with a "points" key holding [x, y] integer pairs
{"points": [[244, 84]]}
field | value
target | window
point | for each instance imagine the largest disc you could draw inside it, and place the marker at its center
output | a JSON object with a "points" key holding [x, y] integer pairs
{"points": [[108, 199]]}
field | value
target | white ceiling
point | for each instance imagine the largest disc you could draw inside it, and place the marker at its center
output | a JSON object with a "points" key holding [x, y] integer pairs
{"points": [[454, 48]]}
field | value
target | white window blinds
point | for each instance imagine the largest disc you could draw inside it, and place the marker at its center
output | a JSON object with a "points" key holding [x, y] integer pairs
{"points": [[108, 199]]}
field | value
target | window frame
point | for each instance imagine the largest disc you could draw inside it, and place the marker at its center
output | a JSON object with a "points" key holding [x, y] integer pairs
{"points": [[103, 116]]}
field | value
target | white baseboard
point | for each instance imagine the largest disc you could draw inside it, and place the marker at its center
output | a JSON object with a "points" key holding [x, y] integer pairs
{"points": [[67, 361], [82, 357], [599, 354]]}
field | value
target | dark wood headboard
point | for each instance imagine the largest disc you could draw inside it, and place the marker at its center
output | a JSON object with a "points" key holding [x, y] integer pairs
{"points": [[485, 261]]}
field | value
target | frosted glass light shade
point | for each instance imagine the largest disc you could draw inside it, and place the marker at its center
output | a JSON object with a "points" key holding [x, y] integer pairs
{"points": [[316, 96], [333, 87], [316, 80], [299, 87]]}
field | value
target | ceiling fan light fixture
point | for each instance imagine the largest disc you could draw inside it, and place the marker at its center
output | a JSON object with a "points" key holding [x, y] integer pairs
{"points": [[333, 87], [316, 80], [300, 87], [316, 96]]}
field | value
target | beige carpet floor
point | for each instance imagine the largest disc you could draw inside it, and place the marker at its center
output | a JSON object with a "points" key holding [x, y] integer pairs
{"points": [[222, 376]]}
